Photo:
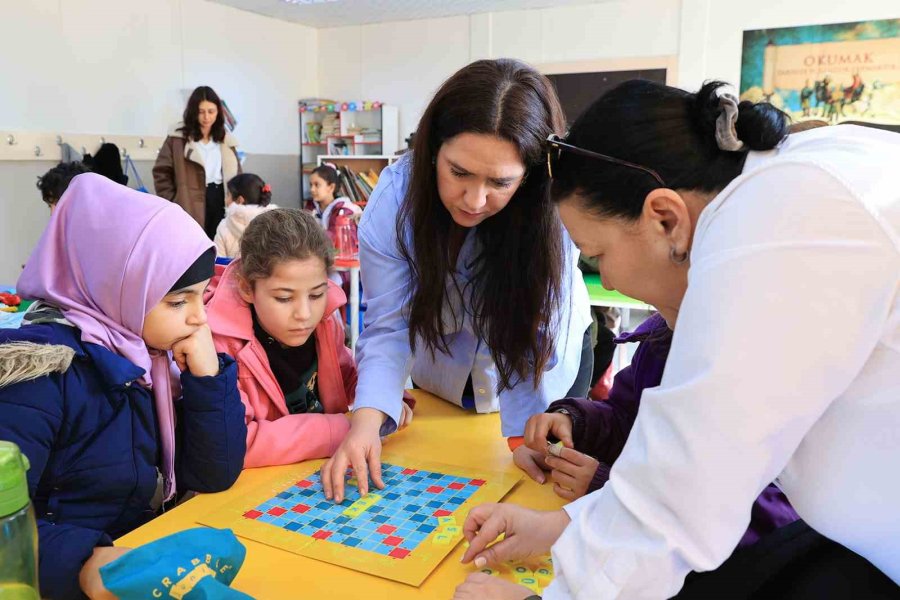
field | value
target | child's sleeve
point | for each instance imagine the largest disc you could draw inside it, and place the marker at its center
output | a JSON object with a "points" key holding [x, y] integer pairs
{"points": [[31, 416], [349, 373], [600, 428], [211, 430], [164, 172]]}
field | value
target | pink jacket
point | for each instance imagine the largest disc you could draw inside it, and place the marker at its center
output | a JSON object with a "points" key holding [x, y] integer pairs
{"points": [[274, 436]]}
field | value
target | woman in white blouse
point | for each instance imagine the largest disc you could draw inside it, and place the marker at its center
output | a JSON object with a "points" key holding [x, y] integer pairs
{"points": [[196, 158], [779, 258]]}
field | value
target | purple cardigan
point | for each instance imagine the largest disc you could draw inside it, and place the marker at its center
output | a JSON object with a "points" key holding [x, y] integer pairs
{"points": [[600, 428]]}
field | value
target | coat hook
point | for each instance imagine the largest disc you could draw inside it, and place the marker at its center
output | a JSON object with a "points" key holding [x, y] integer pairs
{"points": [[11, 139], [37, 150], [141, 143], [59, 140], [102, 140]]}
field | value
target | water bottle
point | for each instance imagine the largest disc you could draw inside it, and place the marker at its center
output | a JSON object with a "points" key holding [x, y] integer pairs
{"points": [[346, 241], [18, 531]]}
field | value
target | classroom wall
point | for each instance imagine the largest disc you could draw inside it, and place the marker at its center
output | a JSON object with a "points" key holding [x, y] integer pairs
{"points": [[101, 67], [712, 30], [404, 62]]}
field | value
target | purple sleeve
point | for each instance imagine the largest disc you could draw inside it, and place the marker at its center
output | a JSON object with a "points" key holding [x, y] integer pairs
{"points": [[600, 428]]}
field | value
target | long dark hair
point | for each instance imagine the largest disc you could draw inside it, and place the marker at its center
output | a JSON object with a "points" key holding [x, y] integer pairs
{"points": [[666, 129], [515, 288], [191, 127]]}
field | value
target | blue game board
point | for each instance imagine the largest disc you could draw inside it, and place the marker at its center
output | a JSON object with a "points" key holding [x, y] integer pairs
{"points": [[405, 514]]}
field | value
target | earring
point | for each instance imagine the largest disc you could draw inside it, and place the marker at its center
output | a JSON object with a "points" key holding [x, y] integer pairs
{"points": [[678, 259]]}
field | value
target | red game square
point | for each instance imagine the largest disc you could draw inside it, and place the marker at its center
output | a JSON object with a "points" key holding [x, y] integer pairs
{"points": [[441, 513], [478, 482], [398, 552], [435, 489], [304, 484], [393, 540], [300, 508], [252, 514], [276, 511], [386, 529], [322, 534], [409, 471], [456, 486]]}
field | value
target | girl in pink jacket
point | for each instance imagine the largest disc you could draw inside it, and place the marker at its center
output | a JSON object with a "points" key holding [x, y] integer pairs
{"points": [[275, 311]]}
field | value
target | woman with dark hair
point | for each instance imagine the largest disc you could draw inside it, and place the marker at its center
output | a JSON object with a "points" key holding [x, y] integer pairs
{"points": [[197, 156], [779, 258], [470, 281]]}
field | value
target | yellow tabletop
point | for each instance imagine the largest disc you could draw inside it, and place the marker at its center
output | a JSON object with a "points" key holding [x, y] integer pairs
{"points": [[440, 432]]}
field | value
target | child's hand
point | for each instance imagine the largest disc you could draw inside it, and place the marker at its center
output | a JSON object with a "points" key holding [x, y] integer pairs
{"points": [[197, 354], [539, 426], [480, 586], [532, 462], [406, 416], [89, 578], [571, 472], [528, 533]]}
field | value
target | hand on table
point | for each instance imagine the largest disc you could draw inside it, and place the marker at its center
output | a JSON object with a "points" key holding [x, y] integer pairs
{"points": [[89, 578], [540, 426], [361, 450], [528, 533], [480, 586], [571, 472]]}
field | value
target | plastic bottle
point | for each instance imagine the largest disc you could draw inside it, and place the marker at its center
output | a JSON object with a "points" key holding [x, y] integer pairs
{"points": [[18, 531]]}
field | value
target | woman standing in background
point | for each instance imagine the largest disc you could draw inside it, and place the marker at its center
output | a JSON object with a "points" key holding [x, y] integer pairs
{"points": [[197, 156]]}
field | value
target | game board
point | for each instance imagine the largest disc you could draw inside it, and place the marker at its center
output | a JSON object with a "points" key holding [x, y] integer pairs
{"points": [[401, 532]]}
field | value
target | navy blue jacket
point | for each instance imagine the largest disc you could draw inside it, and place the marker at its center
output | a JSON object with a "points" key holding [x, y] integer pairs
{"points": [[91, 436]]}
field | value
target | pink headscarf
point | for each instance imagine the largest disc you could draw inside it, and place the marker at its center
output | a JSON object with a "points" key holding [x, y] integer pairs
{"points": [[109, 255]]}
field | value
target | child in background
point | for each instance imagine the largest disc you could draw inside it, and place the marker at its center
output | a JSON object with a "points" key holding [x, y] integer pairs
{"points": [[85, 387], [276, 312], [593, 433], [324, 184], [54, 182], [246, 196]]}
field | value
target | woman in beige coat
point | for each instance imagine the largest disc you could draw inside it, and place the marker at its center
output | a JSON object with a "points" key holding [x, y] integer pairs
{"points": [[196, 158]]}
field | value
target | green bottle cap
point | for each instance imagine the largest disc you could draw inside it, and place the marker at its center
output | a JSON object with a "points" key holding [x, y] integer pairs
{"points": [[13, 484]]}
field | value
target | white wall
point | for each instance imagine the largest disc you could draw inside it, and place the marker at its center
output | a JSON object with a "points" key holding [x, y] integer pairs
{"points": [[404, 62], [96, 66], [119, 67], [712, 30]]}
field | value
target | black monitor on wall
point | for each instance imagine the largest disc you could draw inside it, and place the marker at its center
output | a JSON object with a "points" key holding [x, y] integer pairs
{"points": [[578, 90]]}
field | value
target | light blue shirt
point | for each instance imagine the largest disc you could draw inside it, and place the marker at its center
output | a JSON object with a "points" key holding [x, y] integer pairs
{"points": [[384, 356]]}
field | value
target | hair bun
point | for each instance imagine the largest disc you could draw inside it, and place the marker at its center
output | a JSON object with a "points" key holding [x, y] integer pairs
{"points": [[760, 126]]}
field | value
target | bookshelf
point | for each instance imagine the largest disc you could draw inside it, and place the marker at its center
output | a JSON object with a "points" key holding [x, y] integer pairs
{"points": [[345, 129], [353, 166]]}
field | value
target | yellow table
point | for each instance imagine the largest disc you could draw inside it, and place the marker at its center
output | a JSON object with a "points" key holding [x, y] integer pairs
{"points": [[440, 432]]}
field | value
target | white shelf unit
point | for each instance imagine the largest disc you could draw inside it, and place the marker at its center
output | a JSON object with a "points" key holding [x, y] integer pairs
{"points": [[371, 133]]}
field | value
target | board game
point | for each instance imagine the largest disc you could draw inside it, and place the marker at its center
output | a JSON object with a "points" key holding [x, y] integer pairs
{"points": [[401, 532]]}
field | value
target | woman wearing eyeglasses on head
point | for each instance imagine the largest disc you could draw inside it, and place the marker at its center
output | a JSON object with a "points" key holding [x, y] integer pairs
{"points": [[470, 281], [779, 259]]}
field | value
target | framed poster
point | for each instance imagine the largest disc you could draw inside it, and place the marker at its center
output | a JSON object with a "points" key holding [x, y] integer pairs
{"points": [[836, 72]]}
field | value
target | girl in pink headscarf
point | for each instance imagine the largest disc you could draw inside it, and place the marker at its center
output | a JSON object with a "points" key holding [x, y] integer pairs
{"points": [[89, 387]]}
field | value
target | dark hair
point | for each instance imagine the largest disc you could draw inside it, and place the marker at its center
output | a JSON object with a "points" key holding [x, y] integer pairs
{"points": [[251, 187], [107, 162], [280, 235], [516, 277], [665, 129], [191, 127], [330, 175], [54, 182]]}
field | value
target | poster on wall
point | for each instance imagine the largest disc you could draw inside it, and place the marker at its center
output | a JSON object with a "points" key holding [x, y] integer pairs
{"points": [[837, 72]]}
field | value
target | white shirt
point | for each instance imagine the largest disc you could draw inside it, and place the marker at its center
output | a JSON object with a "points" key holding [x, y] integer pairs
{"points": [[785, 364], [211, 152]]}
